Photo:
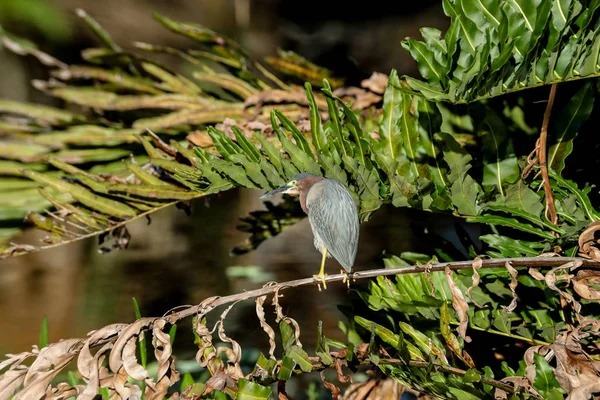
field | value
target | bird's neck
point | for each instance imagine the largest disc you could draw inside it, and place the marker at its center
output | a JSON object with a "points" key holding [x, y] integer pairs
{"points": [[305, 186]]}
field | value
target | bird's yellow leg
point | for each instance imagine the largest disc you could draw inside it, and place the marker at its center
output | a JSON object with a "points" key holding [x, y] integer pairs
{"points": [[321, 276], [346, 277]]}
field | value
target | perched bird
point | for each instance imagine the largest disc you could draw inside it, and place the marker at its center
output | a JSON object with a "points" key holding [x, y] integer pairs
{"points": [[333, 218]]}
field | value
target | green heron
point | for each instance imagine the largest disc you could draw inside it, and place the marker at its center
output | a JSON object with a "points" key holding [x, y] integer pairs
{"points": [[333, 218]]}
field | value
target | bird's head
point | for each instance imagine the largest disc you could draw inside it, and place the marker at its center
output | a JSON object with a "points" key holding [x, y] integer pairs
{"points": [[296, 185]]}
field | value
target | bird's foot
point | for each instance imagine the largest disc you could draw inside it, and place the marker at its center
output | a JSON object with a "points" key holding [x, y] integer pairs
{"points": [[346, 279], [321, 277]]}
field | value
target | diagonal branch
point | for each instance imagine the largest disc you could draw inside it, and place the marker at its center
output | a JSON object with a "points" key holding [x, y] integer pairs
{"points": [[535, 262]]}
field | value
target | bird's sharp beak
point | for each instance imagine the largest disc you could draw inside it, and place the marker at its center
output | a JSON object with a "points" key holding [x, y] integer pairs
{"points": [[282, 189]]}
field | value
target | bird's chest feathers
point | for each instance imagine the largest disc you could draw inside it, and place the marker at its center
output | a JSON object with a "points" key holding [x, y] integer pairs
{"points": [[313, 196]]}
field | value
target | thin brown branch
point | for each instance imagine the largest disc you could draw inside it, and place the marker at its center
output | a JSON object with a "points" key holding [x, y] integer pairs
{"points": [[528, 262], [542, 157]]}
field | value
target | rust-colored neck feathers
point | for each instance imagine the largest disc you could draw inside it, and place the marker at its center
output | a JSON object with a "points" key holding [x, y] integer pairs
{"points": [[304, 186]]}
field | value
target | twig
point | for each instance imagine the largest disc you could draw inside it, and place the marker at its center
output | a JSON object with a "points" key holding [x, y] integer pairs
{"points": [[206, 307], [542, 157]]}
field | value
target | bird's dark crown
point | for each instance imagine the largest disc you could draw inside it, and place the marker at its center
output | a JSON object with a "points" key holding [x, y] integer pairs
{"points": [[304, 175]]}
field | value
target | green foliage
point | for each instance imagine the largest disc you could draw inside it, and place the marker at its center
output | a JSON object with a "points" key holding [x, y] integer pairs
{"points": [[497, 47]]}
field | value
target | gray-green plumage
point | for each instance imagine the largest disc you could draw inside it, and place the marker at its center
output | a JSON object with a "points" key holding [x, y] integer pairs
{"points": [[332, 214], [333, 218]]}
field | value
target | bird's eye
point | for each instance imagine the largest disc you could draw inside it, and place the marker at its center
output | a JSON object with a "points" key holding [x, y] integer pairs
{"points": [[293, 183]]}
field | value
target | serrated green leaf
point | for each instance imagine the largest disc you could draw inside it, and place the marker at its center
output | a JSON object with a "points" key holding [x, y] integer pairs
{"points": [[429, 65], [520, 196], [301, 142], [382, 332], [318, 137], [246, 145], [288, 337], [424, 343], [511, 223], [234, 172], [286, 369], [353, 126], [544, 375], [465, 189], [535, 219], [283, 166], [296, 353], [502, 322], [581, 195], [510, 247], [252, 391], [300, 159], [223, 143], [322, 348], [460, 394], [253, 170], [500, 162], [336, 125]]}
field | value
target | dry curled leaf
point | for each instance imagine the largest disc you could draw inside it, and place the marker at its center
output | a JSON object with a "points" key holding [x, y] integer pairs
{"points": [[360, 98], [200, 139], [94, 370], [427, 273], [551, 278], [85, 362], [460, 306], [123, 388], [376, 83], [50, 362], [132, 367], [62, 391], [166, 374], [588, 238], [217, 382], [575, 371], [205, 336], [477, 263], [339, 363], [14, 360], [584, 282], [535, 274], [513, 285], [133, 331], [280, 317], [236, 348], [10, 380], [335, 391], [260, 313]]}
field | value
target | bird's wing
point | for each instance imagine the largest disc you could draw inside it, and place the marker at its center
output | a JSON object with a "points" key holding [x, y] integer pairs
{"points": [[334, 217]]}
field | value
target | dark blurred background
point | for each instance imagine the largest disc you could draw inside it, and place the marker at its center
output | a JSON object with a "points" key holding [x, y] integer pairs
{"points": [[178, 259]]}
